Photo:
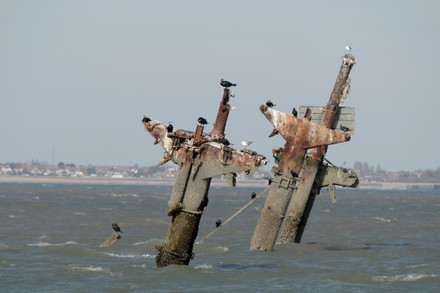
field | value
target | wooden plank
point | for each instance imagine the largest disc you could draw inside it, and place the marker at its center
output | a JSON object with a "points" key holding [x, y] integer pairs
{"points": [[111, 240]]}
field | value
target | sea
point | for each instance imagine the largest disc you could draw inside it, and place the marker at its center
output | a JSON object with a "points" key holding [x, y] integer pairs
{"points": [[368, 241]]}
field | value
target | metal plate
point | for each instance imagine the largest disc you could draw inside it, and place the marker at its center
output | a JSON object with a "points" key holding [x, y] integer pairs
{"points": [[345, 116]]}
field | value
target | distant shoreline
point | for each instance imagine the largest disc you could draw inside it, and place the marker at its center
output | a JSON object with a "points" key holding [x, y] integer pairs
{"points": [[215, 182]]}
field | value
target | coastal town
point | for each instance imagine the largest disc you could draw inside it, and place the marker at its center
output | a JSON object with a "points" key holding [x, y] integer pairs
{"points": [[369, 176]]}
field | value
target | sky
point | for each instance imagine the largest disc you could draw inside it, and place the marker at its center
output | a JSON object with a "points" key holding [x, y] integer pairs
{"points": [[76, 77]]}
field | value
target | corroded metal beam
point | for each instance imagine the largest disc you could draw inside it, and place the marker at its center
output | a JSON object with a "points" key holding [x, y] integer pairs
{"points": [[292, 171], [200, 157], [303, 198]]}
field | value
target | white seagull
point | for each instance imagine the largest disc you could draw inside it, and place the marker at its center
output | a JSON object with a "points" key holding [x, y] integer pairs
{"points": [[246, 143], [348, 48]]}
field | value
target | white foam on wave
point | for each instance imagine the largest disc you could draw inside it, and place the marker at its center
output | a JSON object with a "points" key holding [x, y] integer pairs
{"points": [[203, 267], [222, 248], [124, 194], [141, 243], [89, 269], [403, 278], [43, 244], [3, 246], [382, 219], [128, 255]]}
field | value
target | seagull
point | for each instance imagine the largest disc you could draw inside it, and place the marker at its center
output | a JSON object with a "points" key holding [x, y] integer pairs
{"points": [[202, 121], [294, 112], [116, 227], [218, 223], [270, 104], [253, 195], [246, 143], [348, 48], [226, 84], [170, 127], [146, 119]]}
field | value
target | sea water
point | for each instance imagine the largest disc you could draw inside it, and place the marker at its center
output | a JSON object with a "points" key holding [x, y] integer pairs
{"points": [[369, 241]]}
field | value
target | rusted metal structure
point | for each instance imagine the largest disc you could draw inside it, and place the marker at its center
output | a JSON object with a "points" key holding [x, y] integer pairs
{"points": [[200, 157], [301, 173]]}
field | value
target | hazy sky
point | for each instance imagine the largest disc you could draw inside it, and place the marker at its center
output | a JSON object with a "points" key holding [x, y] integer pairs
{"points": [[76, 77]]}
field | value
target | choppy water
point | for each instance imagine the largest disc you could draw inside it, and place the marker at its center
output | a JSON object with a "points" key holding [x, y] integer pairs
{"points": [[369, 241]]}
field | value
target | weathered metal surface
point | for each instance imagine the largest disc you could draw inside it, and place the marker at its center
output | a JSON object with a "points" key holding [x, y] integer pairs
{"points": [[300, 135], [345, 117], [303, 198], [200, 157]]}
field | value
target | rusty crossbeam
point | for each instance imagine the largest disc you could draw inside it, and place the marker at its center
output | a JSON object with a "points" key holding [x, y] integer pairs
{"points": [[296, 167], [200, 157]]}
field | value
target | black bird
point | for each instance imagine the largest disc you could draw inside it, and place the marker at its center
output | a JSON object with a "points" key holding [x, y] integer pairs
{"points": [[294, 112], [294, 174], [270, 104], [269, 180], [116, 227], [225, 141], [253, 195], [202, 121], [170, 127], [226, 84], [146, 119], [344, 128], [218, 223]]}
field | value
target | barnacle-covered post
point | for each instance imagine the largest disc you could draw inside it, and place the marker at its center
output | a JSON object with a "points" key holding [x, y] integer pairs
{"points": [[301, 134], [310, 185], [200, 157]]}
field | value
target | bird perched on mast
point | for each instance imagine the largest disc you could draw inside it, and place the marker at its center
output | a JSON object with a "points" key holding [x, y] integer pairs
{"points": [[270, 104], [226, 84], [202, 121], [294, 112], [170, 127]]}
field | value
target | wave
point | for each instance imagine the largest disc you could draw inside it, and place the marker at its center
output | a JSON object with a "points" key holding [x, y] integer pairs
{"points": [[43, 244], [382, 219], [129, 255], [203, 267], [403, 278], [124, 194], [89, 269]]}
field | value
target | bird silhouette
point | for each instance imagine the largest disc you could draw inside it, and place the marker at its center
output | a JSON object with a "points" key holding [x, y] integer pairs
{"points": [[270, 104], [146, 119], [253, 195], [202, 121], [344, 128], [170, 127], [294, 112], [226, 84], [225, 141], [218, 223], [116, 228], [269, 180]]}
